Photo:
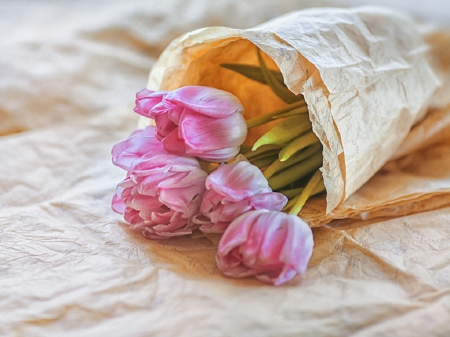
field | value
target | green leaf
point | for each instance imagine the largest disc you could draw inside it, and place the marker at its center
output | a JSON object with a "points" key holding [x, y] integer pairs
{"points": [[279, 88], [252, 72]]}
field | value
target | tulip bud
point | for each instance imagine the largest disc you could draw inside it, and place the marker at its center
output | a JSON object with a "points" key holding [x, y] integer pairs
{"points": [[203, 122], [233, 189], [272, 246], [161, 195]]}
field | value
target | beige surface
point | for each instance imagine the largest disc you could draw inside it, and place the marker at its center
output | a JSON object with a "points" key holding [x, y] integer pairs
{"points": [[70, 267]]}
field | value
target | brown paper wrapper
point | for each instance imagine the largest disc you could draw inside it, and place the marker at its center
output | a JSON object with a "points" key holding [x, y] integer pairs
{"points": [[366, 76]]}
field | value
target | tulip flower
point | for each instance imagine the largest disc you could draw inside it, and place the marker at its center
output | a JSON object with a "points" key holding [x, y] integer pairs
{"points": [[139, 143], [233, 189], [161, 195], [272, 246], [198, 121]]}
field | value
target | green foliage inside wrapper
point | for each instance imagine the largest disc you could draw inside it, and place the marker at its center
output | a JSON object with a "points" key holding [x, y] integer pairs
{"points": [[288, 153], [280, 140]]}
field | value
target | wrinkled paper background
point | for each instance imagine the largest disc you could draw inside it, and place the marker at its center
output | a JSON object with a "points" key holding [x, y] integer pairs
{"points": [[70, 267]]}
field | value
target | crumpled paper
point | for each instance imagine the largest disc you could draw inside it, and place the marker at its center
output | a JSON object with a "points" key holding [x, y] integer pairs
{"points": [[364, 73], [69, 266], [417, 176]]}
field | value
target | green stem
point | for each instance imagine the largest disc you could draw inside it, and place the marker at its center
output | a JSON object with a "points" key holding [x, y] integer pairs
{"points": [[307, 191], [263, 151], [285, 131], [279, 165], [303, 109], [294, 193], [297, 144], [296, 172], [264, 161]]}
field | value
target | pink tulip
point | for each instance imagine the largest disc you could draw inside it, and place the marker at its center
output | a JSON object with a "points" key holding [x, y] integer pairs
{"points": [[203, 122], [272, 246], [139, 143], [161, 195], [233, 189]]}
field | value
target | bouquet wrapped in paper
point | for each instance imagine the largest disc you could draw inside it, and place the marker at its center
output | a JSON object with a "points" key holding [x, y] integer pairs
{"points": [[320, 100], [363, 72]]}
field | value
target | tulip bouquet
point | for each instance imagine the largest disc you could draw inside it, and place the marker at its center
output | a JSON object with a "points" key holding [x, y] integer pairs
{"points": [[349, 86], [188, 171]]}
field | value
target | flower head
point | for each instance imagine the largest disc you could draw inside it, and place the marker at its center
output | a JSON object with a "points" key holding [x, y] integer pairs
{"points": [[198, 121], [272, 246], [139, 143], [233, 189], [161, 195]]}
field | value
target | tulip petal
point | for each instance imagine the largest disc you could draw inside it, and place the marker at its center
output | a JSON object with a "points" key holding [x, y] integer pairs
{"points": [[181, 199], [300, 242], [146, 100], [205, 100], [173, 144], [164, 126], [271, 201], [139, 143], [236, 234], [118, 205], [237, 181], [208, 134]]}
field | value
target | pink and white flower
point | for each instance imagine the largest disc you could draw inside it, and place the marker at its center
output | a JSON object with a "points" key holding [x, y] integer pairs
{"points": [[139, 143], [203, 122], [272, 246], [161, 195], [233, 189]]}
